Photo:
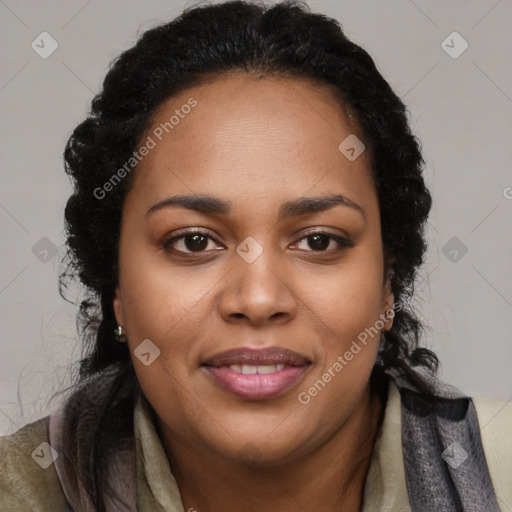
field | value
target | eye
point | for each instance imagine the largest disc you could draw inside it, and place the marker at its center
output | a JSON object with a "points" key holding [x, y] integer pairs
{"points": [[194, 240], [320, 241]]}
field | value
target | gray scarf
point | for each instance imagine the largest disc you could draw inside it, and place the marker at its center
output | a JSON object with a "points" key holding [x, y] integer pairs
{"points": [[445, 465]]}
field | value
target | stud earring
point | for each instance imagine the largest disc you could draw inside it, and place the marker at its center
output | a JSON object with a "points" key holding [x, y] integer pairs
{"points": [[120, 334]]}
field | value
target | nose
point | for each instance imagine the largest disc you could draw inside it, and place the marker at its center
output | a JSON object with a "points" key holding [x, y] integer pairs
{"points": [[258, 292]]}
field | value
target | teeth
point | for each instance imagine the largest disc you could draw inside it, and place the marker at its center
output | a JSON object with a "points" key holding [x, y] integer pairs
{"points": [[248, 369], [269, 368]]}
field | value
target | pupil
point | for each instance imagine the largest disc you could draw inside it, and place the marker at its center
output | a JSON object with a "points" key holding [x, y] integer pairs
{"points": [[322, 246], [195, 245]]}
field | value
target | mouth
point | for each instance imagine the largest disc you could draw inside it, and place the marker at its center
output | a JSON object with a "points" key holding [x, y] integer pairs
{"points": [[256, 374]]}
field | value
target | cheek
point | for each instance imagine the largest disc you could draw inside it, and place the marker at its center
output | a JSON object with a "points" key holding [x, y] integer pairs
{"points": [[347, 315], [350, 296], [345, 312], [158, 300], [166, 306]]}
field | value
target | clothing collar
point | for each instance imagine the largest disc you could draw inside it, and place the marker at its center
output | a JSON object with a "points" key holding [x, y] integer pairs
{"points": [[385, 487], [157, 489]]}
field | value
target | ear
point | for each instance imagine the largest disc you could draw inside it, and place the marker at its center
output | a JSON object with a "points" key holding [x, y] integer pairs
{"points": [[118, 307]]}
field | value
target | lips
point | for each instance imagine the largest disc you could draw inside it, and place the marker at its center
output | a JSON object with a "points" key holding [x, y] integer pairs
{"points": [[257, 357], [256, 374]]}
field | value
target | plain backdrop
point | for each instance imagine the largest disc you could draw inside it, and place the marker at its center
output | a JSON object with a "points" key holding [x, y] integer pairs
{"points": [[460, 105]]}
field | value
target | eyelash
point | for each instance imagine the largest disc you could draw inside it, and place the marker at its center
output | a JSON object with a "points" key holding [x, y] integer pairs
{"points": [[343, 243]]}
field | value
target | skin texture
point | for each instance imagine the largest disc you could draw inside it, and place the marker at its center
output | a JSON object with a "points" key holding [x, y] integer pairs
{"points": [[256, 142]]}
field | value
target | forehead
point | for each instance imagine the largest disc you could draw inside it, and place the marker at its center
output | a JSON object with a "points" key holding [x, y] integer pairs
{"points": [[250, 134]]}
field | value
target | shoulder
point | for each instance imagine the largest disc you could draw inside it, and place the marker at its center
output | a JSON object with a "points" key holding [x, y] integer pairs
{"points": [[28, 479], [495, 421]]}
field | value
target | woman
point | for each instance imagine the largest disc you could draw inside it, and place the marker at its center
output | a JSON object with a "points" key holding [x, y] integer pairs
{"points": [[248, 218]]}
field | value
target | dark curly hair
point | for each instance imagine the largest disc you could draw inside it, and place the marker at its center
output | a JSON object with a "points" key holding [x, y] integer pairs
{"points": [[203, 43]]}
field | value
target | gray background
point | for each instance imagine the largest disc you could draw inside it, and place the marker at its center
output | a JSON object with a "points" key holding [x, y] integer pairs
{"points": [[460, 108]]}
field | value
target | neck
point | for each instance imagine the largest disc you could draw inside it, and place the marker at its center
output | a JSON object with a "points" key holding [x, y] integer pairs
{"points": [[330, 478]]}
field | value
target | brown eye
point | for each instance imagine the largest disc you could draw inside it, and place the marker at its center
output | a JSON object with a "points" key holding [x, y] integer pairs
{"points": [[195, 242], [319, 241], [192, 242]]}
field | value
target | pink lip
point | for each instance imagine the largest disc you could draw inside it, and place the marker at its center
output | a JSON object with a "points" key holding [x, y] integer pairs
{"points": [[252, 356], [256, 386]]}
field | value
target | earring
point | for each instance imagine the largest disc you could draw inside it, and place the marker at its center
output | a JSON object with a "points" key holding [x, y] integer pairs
{"points": [[390, 313], [120, 334]]}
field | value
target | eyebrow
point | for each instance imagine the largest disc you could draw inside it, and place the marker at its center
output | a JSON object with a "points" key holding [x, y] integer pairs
{"points": [[210, 205]]}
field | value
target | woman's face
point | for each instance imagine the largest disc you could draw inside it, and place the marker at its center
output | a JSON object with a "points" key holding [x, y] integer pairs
{"points": [[256, 277]]}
